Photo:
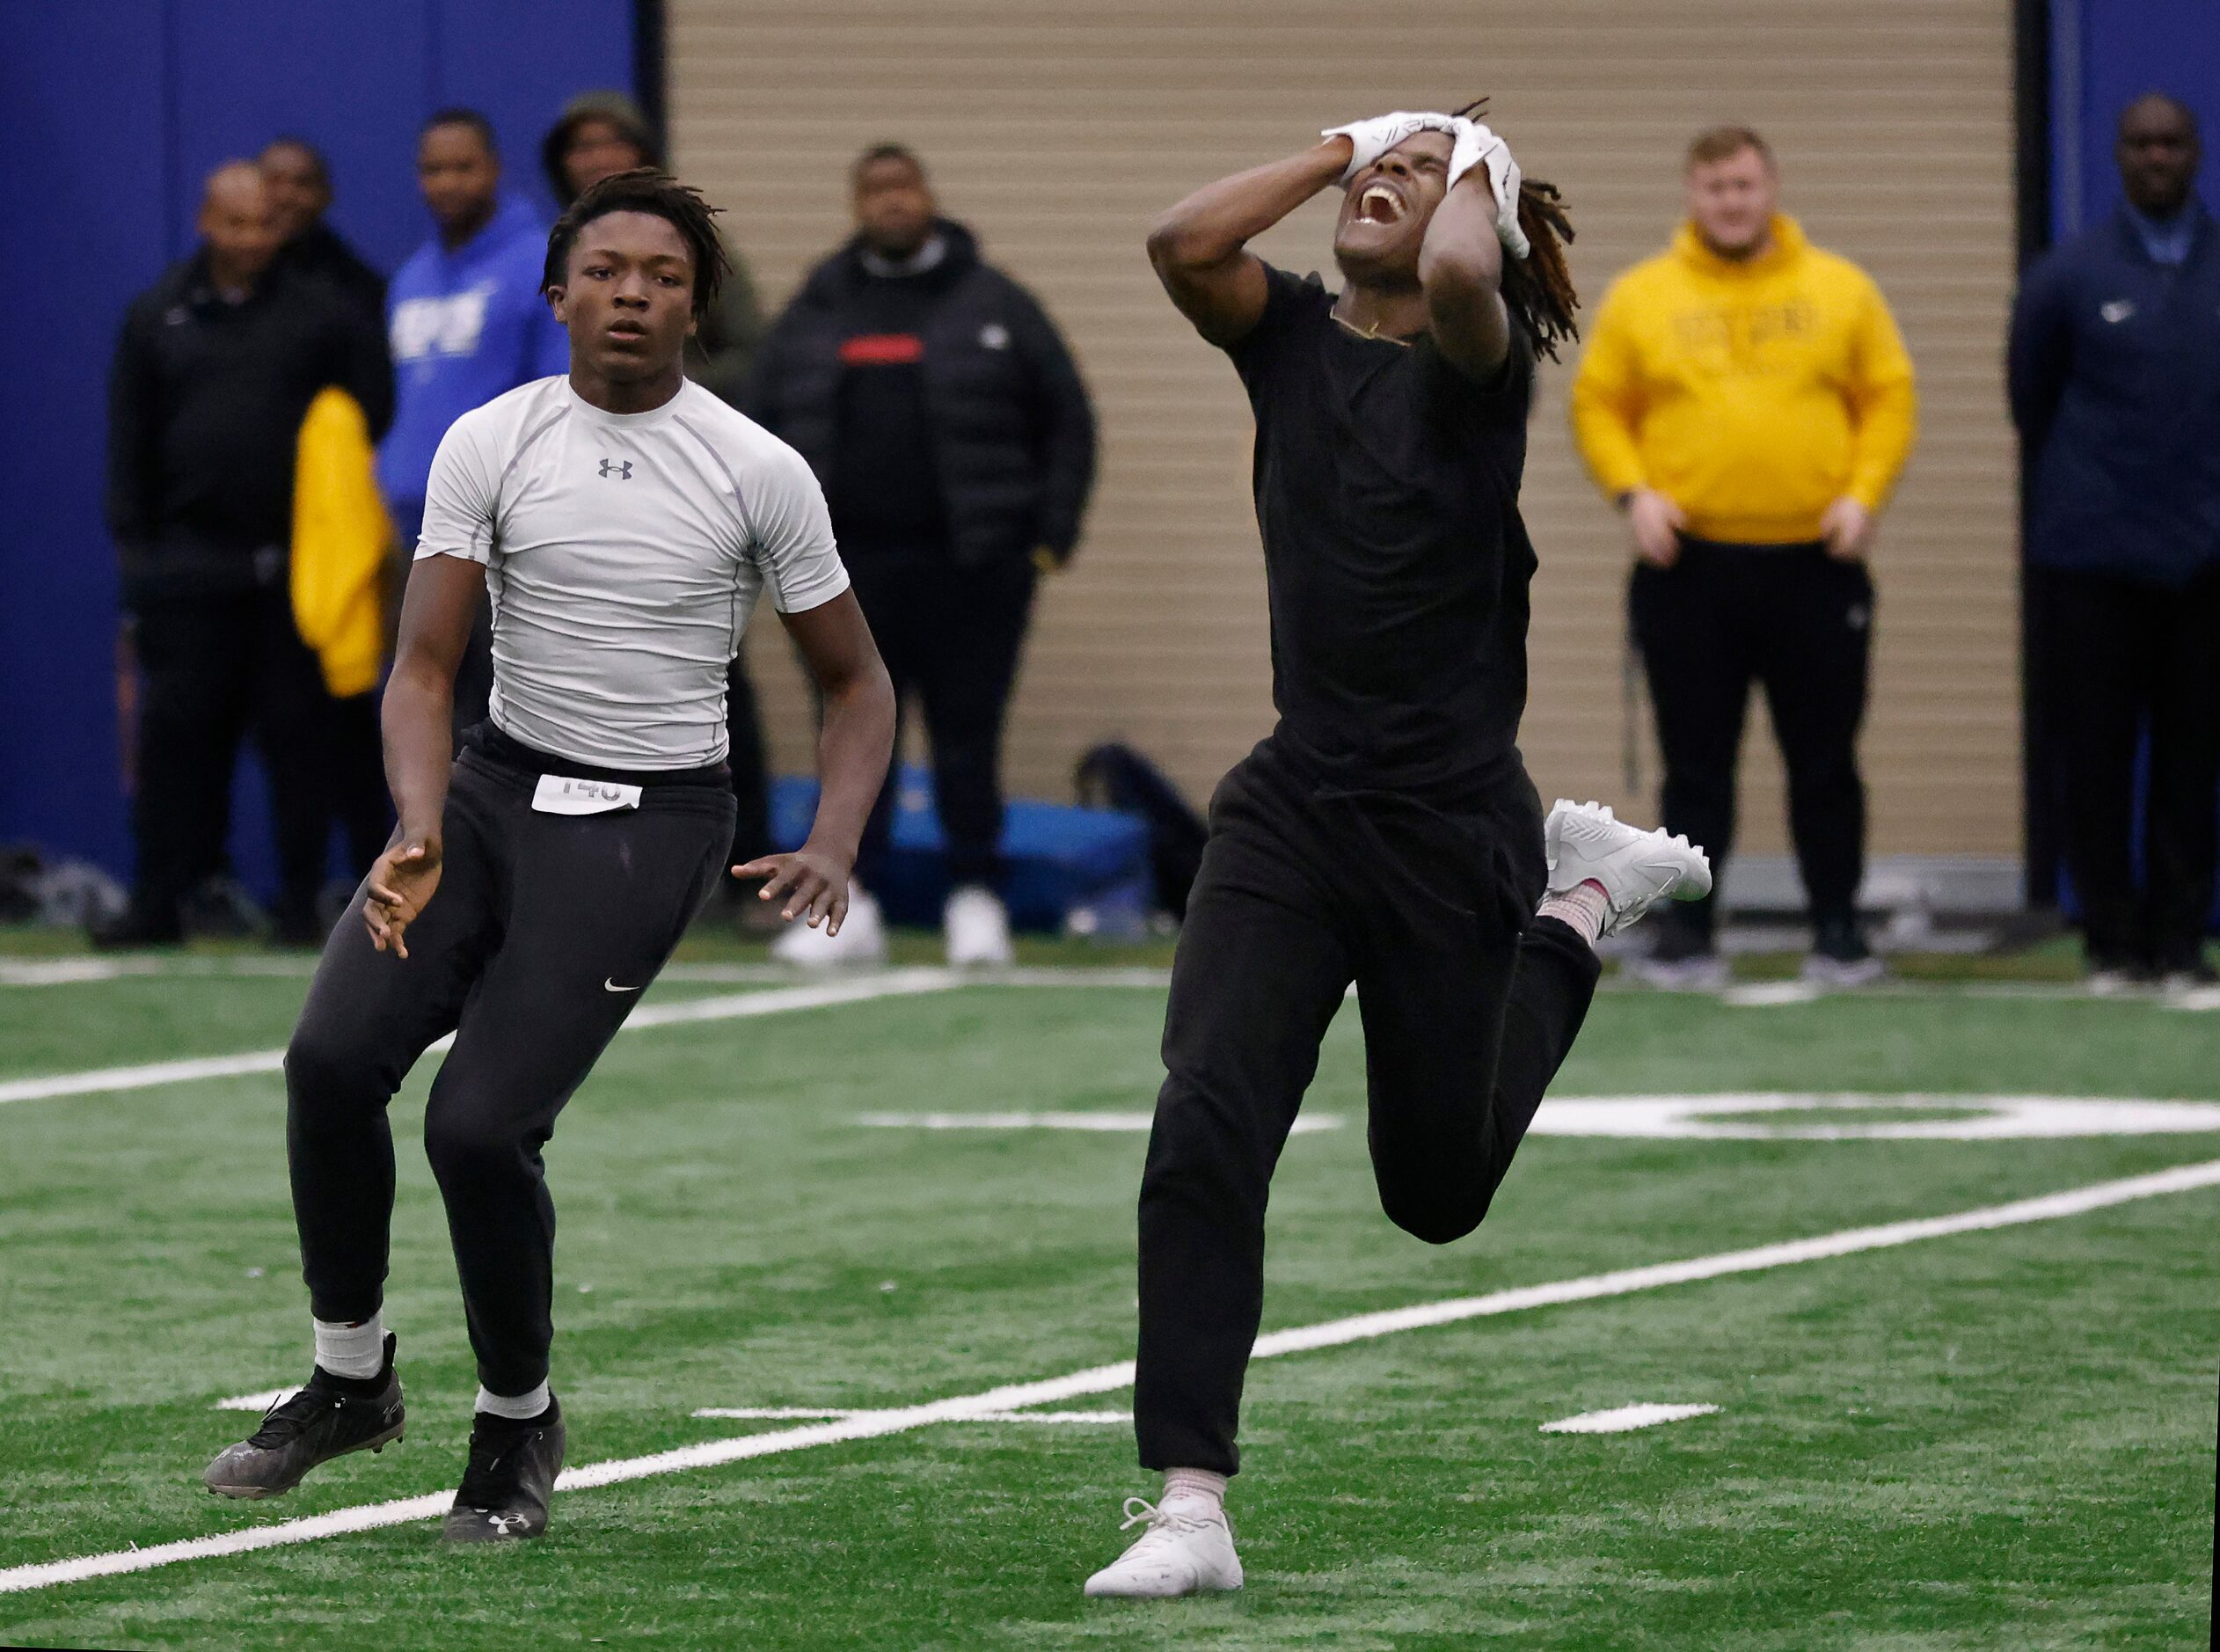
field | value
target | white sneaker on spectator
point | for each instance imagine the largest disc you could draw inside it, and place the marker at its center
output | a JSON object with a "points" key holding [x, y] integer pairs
{"points": [[862, 938], [1186, 1550], [978, 926]]}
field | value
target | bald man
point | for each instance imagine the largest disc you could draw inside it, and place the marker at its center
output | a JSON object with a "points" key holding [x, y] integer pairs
{"points": [[215, 370]]}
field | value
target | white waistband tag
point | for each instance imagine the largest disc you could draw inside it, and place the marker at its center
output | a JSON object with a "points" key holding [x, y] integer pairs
{"points": [[559, 794]]}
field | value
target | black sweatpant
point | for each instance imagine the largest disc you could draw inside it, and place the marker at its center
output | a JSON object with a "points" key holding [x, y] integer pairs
{"points": [[542, 934], [355, 795], [1800, 622], [213, 669], [2135, 659], [1469, 1002], [751, 768], [951, 634]]}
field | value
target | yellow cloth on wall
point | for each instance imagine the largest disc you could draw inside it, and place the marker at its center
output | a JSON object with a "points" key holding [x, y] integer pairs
{"points": [[340, 532], [1753, 394]]}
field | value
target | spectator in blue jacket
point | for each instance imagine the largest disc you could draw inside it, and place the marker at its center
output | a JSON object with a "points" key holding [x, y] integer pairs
{"points": [[2115, 386], [466, 323]]}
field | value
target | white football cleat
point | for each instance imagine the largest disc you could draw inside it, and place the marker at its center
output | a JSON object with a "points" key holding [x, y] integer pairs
{"points": [[978, 927], [1182, 1552], [862, 938], [1635, 869]]}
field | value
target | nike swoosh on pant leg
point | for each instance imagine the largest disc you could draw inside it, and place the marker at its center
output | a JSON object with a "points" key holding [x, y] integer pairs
{"points": [[610, 985]]}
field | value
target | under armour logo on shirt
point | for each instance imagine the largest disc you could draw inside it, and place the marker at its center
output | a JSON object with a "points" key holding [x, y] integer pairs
{"points": [[621, 469]]}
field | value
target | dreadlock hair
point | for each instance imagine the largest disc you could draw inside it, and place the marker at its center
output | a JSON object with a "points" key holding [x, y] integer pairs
{"points": [[650, 190], [1537, 290]]}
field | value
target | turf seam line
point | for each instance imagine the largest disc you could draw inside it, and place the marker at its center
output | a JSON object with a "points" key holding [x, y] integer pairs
{"points": [[723, 1007], [1109, 1378]]}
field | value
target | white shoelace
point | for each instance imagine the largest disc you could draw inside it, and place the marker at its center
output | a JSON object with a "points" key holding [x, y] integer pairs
{"points": [[1165, 1524]]}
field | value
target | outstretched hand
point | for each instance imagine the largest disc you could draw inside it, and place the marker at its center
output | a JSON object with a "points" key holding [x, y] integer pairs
{"points": [[814, 882], [401, 884]]}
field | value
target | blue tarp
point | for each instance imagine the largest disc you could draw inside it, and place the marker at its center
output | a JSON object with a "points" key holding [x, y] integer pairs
{"points": [[1059, 856]]}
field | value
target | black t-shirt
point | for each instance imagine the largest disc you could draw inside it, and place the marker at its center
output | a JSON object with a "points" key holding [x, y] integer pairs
{"points": [[1387, 491]]}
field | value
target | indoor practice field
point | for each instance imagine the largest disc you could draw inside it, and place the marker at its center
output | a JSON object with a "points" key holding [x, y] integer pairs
{"points": [[1976, 1414]]}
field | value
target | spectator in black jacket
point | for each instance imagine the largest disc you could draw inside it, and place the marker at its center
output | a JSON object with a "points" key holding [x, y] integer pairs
{"points": [[2115, 387], [352, 750], [300, 185], [213, 372], [940, 408]]}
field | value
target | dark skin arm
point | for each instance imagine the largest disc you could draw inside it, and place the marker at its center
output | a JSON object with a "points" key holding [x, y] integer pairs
{"points": [[436, 612], [1461, 273], [853, 749], [1200, 247]]}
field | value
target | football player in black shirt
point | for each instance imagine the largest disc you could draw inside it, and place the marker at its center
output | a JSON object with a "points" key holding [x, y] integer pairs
{"points": [[1385, 832]]}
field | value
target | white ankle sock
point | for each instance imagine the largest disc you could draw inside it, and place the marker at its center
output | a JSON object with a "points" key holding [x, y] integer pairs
{"points": [[515, 1407], [1581, 908], [351, 1350], [1192, 1485]]}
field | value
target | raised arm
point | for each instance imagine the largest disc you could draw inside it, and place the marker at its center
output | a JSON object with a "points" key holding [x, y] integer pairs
{"points": [[853, 749], [1199, 248], [1461, 273]]}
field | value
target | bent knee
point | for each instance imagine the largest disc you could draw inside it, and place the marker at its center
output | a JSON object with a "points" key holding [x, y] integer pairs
{"points": [[1437, 1220], [325, 1067], [466, 1148]]}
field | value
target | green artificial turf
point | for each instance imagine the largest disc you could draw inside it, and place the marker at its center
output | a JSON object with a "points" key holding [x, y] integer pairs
{"points": [[2000, 1439]]}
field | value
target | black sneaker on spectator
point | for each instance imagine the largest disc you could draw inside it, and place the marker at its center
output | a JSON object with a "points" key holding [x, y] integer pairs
{"points": [[1840, 957], [135, 926]]}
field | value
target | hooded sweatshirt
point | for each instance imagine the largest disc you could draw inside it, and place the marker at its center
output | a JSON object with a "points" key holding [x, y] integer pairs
{"points": [[465, 327], [1753, 393]]}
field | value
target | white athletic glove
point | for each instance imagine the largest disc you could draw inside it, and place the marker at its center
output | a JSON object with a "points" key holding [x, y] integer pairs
{"points": [[1478, 146], [1373, 138]]}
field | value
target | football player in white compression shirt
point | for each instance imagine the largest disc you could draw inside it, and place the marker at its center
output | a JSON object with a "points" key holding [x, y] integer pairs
{"points": [[625, 522]]}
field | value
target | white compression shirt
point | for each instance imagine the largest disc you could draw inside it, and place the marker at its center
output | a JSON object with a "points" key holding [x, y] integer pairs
{"points": [[623, 553]]}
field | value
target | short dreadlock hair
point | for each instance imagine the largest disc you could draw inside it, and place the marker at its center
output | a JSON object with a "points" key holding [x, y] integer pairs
{"points": [[1537, 290], [645, 189]]}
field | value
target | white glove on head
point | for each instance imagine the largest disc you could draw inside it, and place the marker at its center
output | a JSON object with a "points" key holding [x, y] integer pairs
{"points": [[1373, 138], [1478, 146]]}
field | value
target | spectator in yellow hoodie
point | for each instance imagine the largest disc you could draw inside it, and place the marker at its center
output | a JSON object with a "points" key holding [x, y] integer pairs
{"points": [[1746, 402]]}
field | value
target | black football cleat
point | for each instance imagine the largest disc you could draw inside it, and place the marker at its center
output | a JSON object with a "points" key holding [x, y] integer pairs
{"points": [[510, 1477], [331, 1417]]}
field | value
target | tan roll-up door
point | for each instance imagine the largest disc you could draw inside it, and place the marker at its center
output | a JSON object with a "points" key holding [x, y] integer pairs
{"points": [[1057, 130]]}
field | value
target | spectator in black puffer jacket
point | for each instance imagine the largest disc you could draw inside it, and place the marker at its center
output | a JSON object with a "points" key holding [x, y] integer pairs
{"points": [[940, 408]]}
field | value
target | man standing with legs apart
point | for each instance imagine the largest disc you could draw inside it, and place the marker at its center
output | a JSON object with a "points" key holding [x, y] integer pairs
{"points": [[625, 522], [1745, 400], [1385, 832]]}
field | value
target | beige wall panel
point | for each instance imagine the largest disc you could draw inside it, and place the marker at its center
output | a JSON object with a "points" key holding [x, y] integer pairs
{"points": [[1057, 130]]}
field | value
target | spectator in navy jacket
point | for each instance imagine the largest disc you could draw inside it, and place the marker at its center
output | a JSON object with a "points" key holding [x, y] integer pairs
{"points": [[942, 412], [466, 323], [2115, 387]]}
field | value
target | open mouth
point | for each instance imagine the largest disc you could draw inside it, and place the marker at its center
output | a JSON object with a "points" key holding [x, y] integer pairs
{"points": [[1380, 204]]}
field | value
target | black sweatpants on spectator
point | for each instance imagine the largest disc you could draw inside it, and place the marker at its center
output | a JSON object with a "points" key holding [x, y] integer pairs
{"points": [[751, 770], [2136, 659], [1470, 1004], [951, 634], [1799, 622], [542, 934], [213, 669]]}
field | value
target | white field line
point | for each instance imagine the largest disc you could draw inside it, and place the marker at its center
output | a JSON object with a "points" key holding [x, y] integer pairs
{"points": [[1307, 1124], [1101, 1379], [725, 1007], [1623, 1419]]}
